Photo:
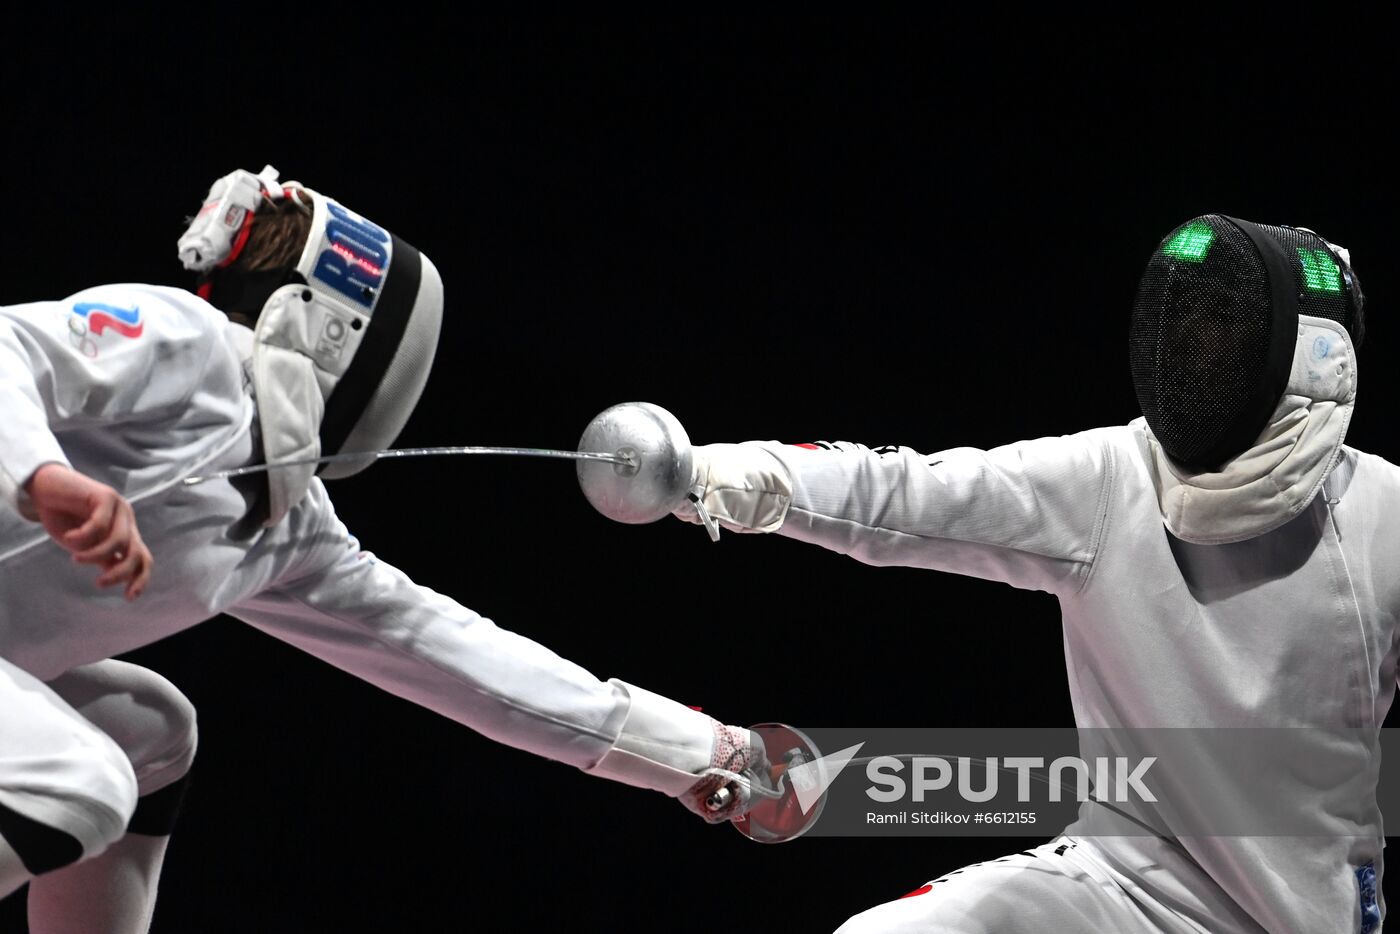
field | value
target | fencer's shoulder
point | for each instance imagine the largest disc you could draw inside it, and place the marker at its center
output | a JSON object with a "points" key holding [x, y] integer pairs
{"points": [[1130, 440], [137, 311], [1368, 484], [126, 306], [1074, 458], [1110, 450], [1090, 442], [144, 298], [1112, 435], [1368, 465]]}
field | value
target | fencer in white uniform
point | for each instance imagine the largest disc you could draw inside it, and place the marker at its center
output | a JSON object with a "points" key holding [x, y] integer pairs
{"points": [[140, 386], [1224, 562]]}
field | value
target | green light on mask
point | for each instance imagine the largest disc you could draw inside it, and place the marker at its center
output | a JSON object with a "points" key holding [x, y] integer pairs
{"points": [[1320, 273], [1190, 243]]}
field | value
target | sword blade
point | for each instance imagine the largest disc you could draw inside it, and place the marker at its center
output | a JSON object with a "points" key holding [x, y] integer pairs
{"points": [[417, 452]]}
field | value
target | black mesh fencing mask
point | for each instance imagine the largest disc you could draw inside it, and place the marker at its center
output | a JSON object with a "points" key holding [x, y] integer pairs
{"points": [[1214, 328]]}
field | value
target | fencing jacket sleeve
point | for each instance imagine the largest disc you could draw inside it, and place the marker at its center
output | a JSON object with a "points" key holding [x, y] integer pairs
{"points": [[1028, 514]]}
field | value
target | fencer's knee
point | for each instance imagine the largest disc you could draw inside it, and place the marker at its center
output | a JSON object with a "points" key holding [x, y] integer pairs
{"points": [[145, 714], [856, 925], [103, 792], [939, 908], [867, 922], [163, 757], [891, 918], [166, 758], [153, 724], [81, 818]]}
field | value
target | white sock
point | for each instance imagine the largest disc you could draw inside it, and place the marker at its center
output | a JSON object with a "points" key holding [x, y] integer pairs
{"points": [[12, 871], [114, 893]]}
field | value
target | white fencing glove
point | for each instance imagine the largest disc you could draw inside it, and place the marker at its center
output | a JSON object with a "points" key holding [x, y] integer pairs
{"points": [[716, 771], [743, 487], [739, 775]]}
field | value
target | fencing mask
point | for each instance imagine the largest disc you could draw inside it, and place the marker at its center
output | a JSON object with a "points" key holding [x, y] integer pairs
{"points": [[1216, 325], [346, 336]]}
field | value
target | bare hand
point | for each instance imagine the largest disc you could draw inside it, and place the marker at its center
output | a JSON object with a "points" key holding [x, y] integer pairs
{"points": [[94, 523]]}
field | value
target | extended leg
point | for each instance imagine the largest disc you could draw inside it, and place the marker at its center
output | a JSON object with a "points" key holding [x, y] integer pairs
{"points": [[66, 790], [154, 725]]}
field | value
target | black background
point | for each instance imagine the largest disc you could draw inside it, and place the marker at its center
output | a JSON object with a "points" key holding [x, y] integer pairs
{"points": [[916, 232]]}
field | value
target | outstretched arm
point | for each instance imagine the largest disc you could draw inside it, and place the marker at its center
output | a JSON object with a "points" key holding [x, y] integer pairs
{"points": [[1028, 514], [365, 617]]}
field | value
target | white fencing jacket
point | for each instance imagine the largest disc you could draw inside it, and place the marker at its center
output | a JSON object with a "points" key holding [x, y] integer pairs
{"points": [[140, 386], [1296, 627]]}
